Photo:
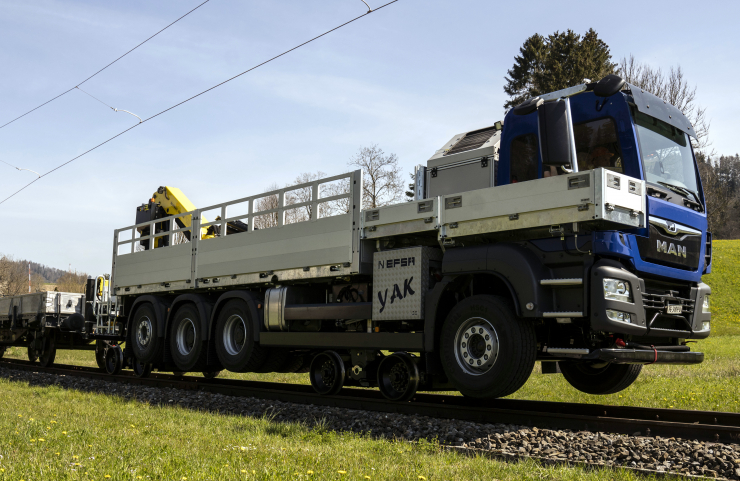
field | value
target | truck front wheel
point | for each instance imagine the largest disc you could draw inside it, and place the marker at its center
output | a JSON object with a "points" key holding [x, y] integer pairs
{"points": [[486, 350], [599, 378]]}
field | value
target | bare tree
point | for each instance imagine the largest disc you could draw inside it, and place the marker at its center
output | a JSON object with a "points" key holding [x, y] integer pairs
{"points": [[267, 202], [299, 196], [72, 282], [13, 277], [674, 89], [382, 183], [37, 283]]}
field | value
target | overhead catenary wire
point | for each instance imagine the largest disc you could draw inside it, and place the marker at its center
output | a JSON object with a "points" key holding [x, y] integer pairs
{"points": [[112, 108], [20, 168], [193, 97], [99, 71]]}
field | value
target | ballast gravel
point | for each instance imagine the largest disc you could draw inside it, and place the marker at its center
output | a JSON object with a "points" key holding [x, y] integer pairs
{"points": [[669, 455]]}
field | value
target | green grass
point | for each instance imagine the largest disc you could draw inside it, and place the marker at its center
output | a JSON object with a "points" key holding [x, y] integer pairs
{"points": [[725, 283], [51, 433]]}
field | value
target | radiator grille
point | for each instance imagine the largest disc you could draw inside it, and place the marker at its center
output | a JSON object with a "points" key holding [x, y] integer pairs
{"points": [[472, 140]]}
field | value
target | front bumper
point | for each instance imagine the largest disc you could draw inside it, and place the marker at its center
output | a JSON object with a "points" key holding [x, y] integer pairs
{"points": [[639, 356], [648, 312]]}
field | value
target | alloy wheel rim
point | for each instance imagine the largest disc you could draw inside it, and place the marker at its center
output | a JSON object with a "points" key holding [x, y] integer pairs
{"points": [[476, 346], [185, 336], [235, 334]]}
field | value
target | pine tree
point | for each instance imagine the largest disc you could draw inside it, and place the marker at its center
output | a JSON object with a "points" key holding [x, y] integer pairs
{"points": [[520, 82], [559, 61]]}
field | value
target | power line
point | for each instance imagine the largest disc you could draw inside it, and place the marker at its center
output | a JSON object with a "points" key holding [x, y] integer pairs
{"points": [[99, 71], [193, 97]]}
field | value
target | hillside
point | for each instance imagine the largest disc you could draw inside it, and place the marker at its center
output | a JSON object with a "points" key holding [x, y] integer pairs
{"points": [[725, 300]]}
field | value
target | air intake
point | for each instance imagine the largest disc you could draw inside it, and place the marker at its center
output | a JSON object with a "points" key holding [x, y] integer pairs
{"points": [[472, 140]]}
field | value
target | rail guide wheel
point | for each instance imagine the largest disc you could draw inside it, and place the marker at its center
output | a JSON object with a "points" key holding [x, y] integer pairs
{"points": [[142, 369], [398, 377], [113, 360], [327, 373], [211, 374]]}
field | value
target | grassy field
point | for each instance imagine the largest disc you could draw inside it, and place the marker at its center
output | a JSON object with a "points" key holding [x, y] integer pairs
{"points": [[49, 433], [725, 283]]}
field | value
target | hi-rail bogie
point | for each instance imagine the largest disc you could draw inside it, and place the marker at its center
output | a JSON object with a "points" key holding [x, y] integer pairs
{"points": [[573, 234]]}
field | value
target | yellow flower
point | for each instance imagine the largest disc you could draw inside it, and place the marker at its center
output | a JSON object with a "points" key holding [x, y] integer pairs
{"points": [[75, 457], [107, 476], [309, 472], [244, 470], [57, 454], [133, 426], [53, 422], [367, 477], [422, 478], [20, 415], [89, 445], [184, 478], [342, 472], [33, 440], [64, 432], [41, 439]]}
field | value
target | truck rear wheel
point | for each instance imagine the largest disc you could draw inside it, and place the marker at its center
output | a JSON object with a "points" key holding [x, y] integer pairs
{"points": [[237, 351], [146, 344], [186, 340], [599, 378], [486, 350]]}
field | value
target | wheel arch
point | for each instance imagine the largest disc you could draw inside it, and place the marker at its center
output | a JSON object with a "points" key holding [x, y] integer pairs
{"points": [[504, 269]]}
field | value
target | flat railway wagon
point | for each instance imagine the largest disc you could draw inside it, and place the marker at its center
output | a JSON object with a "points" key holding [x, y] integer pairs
{"points": [[573, 233]]}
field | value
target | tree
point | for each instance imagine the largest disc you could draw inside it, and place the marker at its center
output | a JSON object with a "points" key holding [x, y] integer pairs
{"points": [[721, 183], [13, 277], [561, 60], [382, 183], [72, 282], [37, 282], [674, 89]]}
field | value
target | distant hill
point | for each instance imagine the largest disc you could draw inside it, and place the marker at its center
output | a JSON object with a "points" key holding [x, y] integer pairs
{"points": [[50, 274]]}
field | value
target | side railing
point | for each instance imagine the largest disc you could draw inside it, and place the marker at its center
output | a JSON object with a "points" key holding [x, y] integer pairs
{"points": [[276, 208]]}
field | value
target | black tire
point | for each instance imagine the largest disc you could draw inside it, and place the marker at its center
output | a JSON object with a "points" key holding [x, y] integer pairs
{"points": [[46, 359], [113, 360], [33, 356], [100, 347], [187, 347], [500, 358], [2, 352], [604, 378], [275, 360], [145, 343], [327, 373], [398, 377], [140, 369], [235, 346], [295, 363]]}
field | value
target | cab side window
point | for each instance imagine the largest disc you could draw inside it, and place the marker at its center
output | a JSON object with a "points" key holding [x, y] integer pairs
{"points": [[597, 145], [523, 158]]}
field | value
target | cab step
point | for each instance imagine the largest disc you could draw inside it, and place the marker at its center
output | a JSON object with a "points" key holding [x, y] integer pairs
{"points": [[569, 281], [563, 314]]}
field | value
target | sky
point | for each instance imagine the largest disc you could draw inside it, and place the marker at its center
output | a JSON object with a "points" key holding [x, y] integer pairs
{"points": [[407, 78]]}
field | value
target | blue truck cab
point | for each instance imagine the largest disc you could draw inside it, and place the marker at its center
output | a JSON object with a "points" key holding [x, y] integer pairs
{"points": [[645, 283]]}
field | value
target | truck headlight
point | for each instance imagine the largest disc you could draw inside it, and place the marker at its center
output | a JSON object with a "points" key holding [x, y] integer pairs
{"points": [[705, 305], [618, 316], [617, 290], [705, 326]]}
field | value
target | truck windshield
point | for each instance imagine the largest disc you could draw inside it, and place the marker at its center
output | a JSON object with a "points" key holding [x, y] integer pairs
{"points": [[666, 153]]}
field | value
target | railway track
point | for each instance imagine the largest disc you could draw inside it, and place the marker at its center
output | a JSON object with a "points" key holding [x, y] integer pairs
{"points": [[699, 425]]}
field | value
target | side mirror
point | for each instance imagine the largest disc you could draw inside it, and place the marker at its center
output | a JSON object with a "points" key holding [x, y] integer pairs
{"points": [[555, 134]]}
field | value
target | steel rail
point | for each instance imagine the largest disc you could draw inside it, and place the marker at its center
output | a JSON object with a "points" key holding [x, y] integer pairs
{"points": [[699, 425]]}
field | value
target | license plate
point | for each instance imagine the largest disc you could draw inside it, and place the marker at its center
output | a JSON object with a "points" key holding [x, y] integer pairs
{"points": [[676, 309]]}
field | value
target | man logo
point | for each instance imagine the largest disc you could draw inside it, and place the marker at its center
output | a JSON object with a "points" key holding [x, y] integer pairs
{"points": [[672, 228], [676, 250]]}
